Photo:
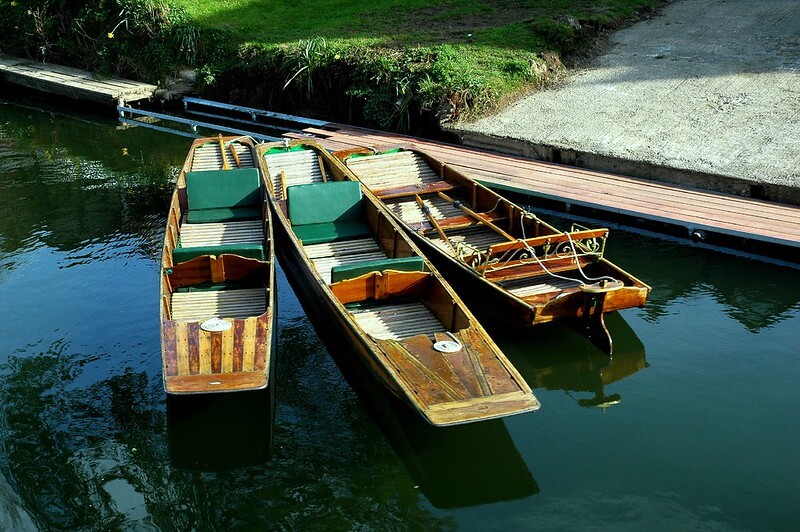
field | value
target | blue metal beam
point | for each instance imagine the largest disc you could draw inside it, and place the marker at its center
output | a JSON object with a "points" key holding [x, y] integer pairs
{"points": [[193, 124], [251, 111]]}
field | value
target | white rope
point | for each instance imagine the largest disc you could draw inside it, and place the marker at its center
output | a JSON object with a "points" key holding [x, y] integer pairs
{"points": [[533, 254], [578, 263]]}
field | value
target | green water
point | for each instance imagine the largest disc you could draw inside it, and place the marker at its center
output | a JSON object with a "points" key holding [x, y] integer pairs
{"points": [[692, 424]]}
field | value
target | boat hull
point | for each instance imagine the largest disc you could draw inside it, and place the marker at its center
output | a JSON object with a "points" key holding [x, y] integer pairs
{"points": [[208, 275], [509, 266], [401, 357]]}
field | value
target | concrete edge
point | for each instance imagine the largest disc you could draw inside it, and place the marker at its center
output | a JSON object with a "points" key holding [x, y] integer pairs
{"points": [[642, 169]]}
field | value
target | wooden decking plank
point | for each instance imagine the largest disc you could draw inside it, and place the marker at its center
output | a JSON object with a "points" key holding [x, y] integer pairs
{"points": [[513, 167], [700, 209], [647, 205], [223, 233], [73, 82], [577, 184]]}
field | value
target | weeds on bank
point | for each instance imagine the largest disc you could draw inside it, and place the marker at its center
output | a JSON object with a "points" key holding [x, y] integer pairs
{"points": [[384, 63]]}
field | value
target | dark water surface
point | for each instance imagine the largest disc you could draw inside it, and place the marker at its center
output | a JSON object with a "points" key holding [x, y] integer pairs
{"points": [[692, 425]]}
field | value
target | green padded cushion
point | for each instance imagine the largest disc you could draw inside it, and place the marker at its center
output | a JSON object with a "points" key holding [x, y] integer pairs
{"points": [[330, 232], [224, 214], [250, 251], [320, 203], [403, 264], [214, 189]]}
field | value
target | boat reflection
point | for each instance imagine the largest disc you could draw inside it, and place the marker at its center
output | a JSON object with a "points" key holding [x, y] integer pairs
{"points": [[558, 359], [220, 432], [457, 466]]}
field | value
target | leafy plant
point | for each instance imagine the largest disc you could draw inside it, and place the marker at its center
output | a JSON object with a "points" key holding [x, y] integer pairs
{"points": [[303, 60]]}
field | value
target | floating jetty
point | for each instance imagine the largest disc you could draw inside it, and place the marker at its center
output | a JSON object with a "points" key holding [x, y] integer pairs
{"points": [[73, 82]]}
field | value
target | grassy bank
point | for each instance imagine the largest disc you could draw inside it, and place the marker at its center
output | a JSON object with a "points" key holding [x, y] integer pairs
{"points": [[387, 63]]}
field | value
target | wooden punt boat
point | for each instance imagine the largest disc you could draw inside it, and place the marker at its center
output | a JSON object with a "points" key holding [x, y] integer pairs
{"points": [[401, 318], [512, 265], [218, 273]]}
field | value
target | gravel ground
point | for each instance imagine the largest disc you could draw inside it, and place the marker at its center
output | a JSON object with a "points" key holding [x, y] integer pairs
{"points": [[707, 86]]}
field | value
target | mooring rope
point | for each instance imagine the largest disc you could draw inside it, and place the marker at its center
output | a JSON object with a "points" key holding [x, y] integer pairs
{"points": [[533, 254]]}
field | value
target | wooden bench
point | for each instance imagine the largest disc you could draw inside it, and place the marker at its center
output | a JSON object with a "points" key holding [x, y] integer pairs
{"points": [[356, 269]]}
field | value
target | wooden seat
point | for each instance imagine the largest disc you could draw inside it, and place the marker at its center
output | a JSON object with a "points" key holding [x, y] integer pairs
{"points": [[395, 321], [341, 272], [200, 306], [327, 255]]}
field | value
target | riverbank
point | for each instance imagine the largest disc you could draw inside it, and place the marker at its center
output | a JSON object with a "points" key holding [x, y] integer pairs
{"points": [[704, 94]]}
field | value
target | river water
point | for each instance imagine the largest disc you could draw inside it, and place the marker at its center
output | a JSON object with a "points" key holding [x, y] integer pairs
{"points": [[691, 425]]}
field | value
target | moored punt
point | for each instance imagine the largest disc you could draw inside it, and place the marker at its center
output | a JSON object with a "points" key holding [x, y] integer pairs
{"points": [[400, 317], [217, 273], [521, 270]]}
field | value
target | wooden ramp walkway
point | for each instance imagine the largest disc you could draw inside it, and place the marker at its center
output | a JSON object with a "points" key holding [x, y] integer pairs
{"points": [[72, 82], [722, 219]]}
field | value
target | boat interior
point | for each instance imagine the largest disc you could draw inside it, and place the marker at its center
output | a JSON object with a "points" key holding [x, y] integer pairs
{"points": [[496, 238], [216, 249], [367, 262]]}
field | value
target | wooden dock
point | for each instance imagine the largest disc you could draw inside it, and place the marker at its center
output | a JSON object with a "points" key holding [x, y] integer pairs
{"points": [[72, 82], [726, 220]]}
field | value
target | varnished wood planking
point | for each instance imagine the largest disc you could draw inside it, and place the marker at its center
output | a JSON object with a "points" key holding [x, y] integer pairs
{"points": [[249, 344], [170, 351]]}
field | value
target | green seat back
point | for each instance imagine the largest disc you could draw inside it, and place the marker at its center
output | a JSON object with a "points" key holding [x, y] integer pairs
{"points": [[215, 189], [403, 264], [320, 203], [250, 251]]}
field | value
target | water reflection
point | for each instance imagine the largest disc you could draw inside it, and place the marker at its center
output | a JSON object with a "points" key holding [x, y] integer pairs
{"points": [[555, 358], [755, 293], [219, 432], [453, 467], [80, 182]]}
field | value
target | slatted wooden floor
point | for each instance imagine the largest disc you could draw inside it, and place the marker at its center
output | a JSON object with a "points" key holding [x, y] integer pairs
{"points": [[72, 82], [732, 216]]}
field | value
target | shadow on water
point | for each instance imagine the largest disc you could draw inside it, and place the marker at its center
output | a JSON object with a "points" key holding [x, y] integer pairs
{"points": [[220, 432], [454, 467]]}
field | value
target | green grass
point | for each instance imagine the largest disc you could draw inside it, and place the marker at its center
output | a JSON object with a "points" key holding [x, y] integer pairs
{"points": [[472, 54]]}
